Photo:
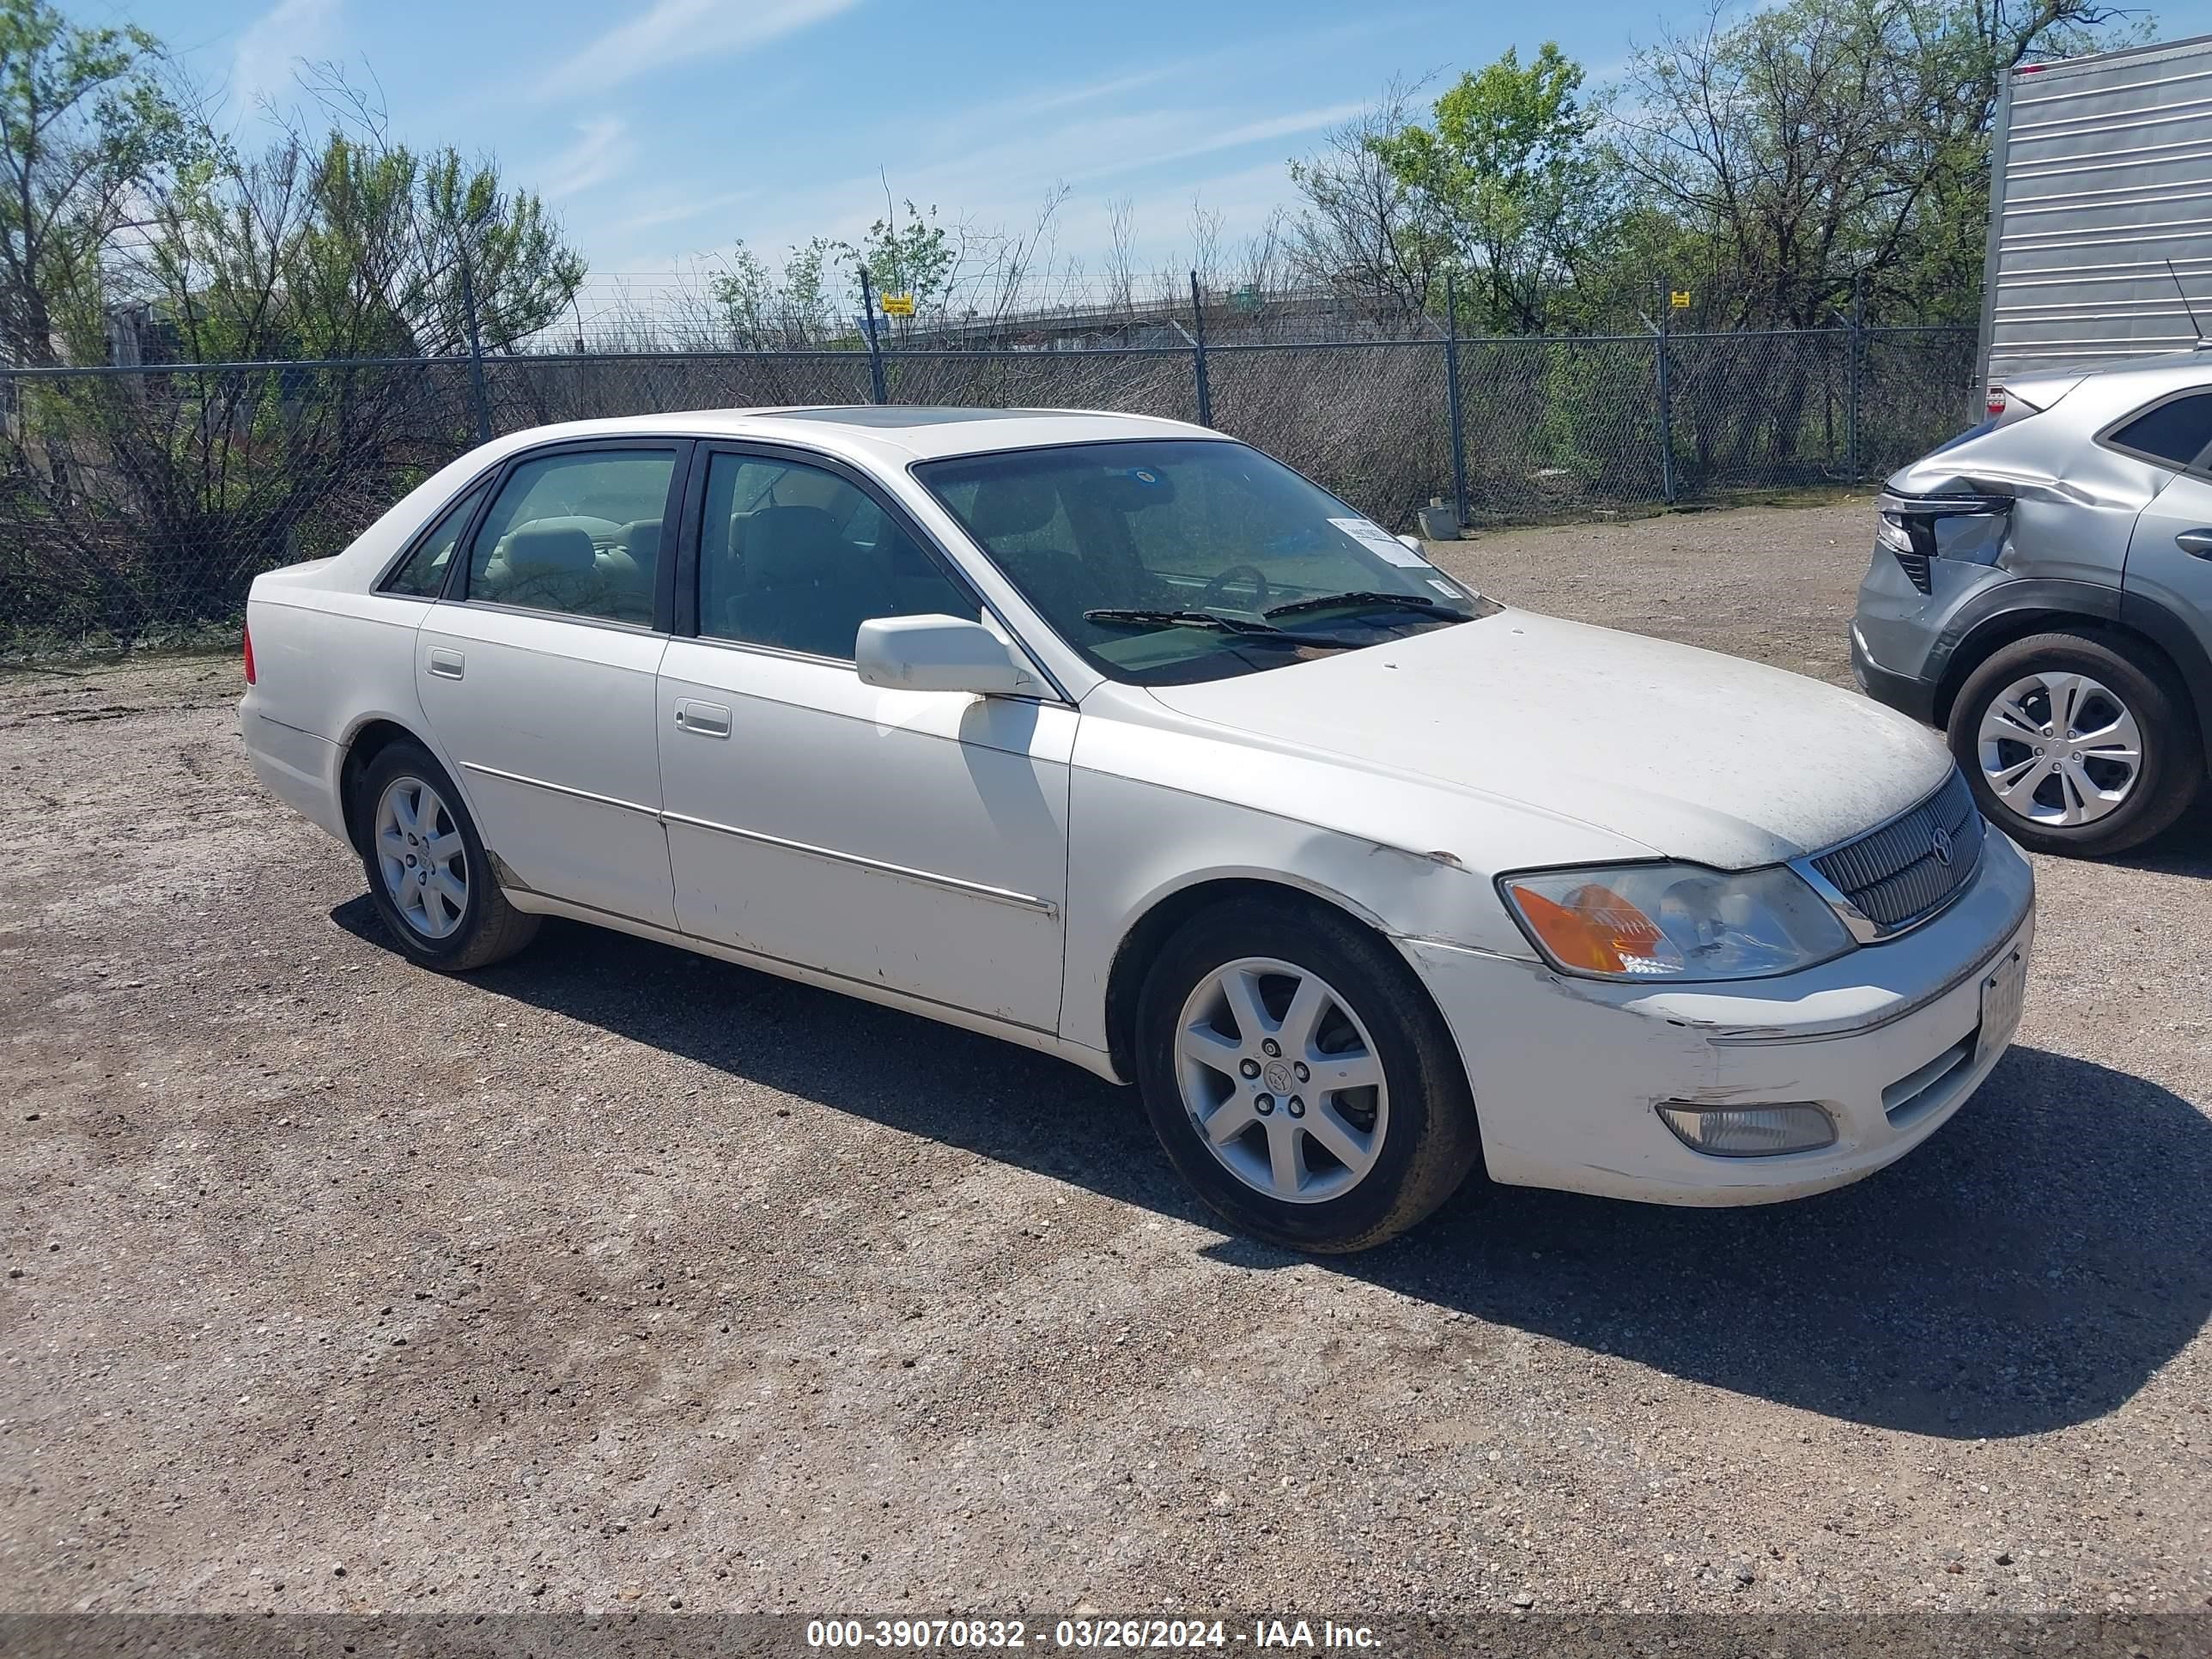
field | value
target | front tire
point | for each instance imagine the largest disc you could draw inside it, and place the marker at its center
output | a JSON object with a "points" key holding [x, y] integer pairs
{"points": [[1299, 1078], [427, 874], [2073, 748]]}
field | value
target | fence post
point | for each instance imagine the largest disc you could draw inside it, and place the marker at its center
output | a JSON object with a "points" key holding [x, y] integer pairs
{"points": [[1858, 351], [1451, 388], [1665, 414], [1198, 353], [875, 350], [475, 351]]}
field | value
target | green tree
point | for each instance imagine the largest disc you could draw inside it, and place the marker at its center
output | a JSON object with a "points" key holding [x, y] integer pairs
{"points": [[1511, 173], [762, 308], [916, 258], [86, 128], [345, 245]]}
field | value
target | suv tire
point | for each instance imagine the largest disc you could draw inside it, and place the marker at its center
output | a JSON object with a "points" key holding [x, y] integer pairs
{"points": [[2085, 714]]}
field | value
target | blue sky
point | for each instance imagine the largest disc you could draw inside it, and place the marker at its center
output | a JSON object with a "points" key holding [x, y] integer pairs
{"points": [[661, 132]]}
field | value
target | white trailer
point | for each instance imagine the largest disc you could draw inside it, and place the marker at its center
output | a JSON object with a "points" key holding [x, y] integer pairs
{"points": [[2100, 172]]}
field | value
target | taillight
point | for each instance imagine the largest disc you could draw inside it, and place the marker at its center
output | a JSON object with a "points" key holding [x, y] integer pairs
{"points": [[249, 654], [1995, 403]]}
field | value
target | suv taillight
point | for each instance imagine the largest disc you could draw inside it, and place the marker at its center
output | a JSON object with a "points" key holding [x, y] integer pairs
{"points": [[249, 654]]}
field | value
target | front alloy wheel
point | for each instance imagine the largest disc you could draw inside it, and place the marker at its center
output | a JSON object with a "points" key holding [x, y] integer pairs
{"points": [[2077, 742], [1299, 1076], [1280, 1079], [2060, 748]]}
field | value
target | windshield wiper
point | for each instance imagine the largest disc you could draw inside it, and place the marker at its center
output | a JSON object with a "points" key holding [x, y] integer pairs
{"points": [[1215, 619], [1243, 627], [1332, 601]]}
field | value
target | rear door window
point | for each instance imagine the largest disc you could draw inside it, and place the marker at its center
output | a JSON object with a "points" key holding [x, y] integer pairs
{"points": [[577, 531]]}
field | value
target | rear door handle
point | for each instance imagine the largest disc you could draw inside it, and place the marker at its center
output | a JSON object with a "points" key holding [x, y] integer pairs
{"points": [[2196, 542], [702, 719], [448, 665]]}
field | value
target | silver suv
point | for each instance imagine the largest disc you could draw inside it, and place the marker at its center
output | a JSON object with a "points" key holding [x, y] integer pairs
{"points": [[2041, 589]]}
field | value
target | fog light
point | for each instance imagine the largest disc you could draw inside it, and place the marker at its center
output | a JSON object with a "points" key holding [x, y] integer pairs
{"points": [[1797, 1126]]}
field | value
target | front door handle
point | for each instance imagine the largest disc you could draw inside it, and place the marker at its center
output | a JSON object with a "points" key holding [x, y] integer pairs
{"points": [[2196, 542], [702, 719], [446, 665]]}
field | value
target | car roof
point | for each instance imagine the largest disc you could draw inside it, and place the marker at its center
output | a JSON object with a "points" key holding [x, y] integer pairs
{"points": [[896, 434]]}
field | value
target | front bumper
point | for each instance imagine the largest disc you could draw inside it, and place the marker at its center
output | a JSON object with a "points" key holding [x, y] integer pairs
{"points": [[1568, 1073], [1906, 693]]}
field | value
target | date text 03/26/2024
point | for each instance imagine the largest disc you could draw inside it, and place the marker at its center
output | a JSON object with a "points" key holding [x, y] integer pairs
{"points": [[831, 1634]]}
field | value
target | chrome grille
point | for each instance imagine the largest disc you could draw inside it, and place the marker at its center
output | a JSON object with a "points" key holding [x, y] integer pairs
{"points": [[1893, 876]]}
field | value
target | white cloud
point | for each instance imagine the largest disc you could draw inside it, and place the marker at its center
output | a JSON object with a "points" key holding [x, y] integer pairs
{"points": [[273, 44], [682, 31], [1250, 132], [603, 149], [675, 213]]}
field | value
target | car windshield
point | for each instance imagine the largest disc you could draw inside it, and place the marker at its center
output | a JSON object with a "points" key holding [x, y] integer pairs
{"points": [[1165, 561]]}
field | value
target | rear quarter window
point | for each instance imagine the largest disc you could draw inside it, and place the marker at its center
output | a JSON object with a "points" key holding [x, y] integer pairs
{"points": [[423, 574], [2175, 433]]}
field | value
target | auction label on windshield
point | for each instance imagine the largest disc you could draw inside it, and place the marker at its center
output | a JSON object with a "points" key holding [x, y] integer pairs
{"points": [[1378, 540]]}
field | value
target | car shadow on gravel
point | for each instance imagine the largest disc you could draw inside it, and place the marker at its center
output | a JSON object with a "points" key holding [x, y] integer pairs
{"points": [[2031, 1266], [2183, 849]]}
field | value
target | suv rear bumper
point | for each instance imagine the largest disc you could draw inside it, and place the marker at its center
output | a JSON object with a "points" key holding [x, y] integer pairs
{"points": [[1906, 693]]}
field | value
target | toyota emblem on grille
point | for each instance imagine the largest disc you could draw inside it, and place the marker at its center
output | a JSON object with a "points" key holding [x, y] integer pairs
{"points": [[1940, 844]]}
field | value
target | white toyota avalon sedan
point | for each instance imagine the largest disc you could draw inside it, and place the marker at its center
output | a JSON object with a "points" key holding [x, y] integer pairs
{"points": [[1115, 738]]}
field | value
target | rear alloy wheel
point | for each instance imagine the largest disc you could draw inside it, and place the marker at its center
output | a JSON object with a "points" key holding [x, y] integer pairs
{"points": [[2072, 748], [427, 874], [1299, 1076], [422, 857]]}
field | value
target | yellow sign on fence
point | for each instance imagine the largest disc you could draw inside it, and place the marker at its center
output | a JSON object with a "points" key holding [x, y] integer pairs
{"points": [[898, 305], [1680, 298]]}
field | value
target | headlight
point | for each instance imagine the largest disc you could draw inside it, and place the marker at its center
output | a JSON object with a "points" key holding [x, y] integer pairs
{"points": [[1675, 921]]}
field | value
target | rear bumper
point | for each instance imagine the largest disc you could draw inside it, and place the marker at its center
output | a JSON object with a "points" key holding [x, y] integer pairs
{"points": [[1906, 693], [1568, 1073], [298, 767]]}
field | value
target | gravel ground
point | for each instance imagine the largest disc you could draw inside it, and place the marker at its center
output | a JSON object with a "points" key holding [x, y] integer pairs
{"points": [[614, 1277]]}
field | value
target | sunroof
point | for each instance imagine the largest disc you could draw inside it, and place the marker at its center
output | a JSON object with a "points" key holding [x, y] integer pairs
{"points": [[908, 415]]}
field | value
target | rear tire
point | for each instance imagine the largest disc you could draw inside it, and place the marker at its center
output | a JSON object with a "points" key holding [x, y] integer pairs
{"points": [[2073, 748], [1357, 1122], [427, 874]]}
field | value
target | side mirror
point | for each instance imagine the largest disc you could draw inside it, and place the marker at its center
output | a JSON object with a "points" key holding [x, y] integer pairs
{"points": [[1413, 541], [935, 653]]}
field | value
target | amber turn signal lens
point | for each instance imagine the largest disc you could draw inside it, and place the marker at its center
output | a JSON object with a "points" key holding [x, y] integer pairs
{"points": [[1592, 928]]}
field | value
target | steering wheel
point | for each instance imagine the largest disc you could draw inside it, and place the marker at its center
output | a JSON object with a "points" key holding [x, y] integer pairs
{"points": [[1217, 589]]}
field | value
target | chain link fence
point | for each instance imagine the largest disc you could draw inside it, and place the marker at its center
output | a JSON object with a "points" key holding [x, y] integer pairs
{"points": [[137, 504]]}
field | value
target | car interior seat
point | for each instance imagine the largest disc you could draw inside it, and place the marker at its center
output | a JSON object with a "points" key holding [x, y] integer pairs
{"points": [[554, 566], [801, 584]]}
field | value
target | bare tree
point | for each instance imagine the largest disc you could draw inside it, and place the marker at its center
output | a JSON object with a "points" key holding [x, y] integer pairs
{"points": [[1820, 136], [1206, 228], [1363, 231], [1122, 253]]}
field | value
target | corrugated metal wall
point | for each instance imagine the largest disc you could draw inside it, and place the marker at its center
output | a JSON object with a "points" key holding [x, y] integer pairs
{"points": [[2103, 172]]}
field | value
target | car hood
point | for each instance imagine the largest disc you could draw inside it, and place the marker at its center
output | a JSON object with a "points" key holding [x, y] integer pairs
{"points": [[1691, 753]]}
